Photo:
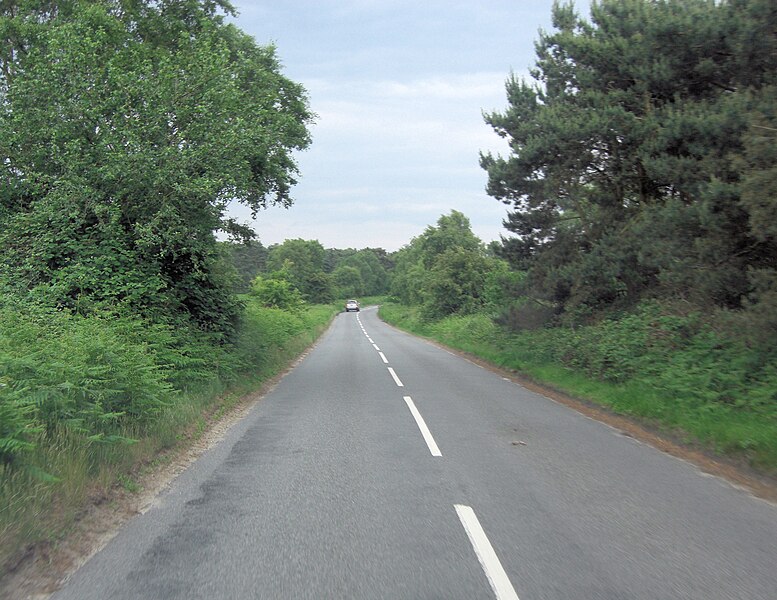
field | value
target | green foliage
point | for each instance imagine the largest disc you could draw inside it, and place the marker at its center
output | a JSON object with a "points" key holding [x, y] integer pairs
{"points": [[323, 274], [649, 175], [270, 337], [348, 282], [276, 293], [409, 275], [98, 376], [759, 200], [301, 257], [248, 259], [655, 363], [371, 270], [447, 270], [18, 426], [123, 135], [687, 374], [302, 261], [456, 282], [452, 231], [92, 376], [319, 288]]}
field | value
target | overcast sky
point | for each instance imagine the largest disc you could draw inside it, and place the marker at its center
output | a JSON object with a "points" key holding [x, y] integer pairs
{"points": [[399, 88]]}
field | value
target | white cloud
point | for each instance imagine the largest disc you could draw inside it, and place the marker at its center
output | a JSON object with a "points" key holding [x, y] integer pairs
{"points": [[433, 118], [472, 86], [399, 87]]}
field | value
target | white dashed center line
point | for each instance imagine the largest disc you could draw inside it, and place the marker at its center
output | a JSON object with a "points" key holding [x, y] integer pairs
{"points": [[500, 583], [419, 420], [374, 345], [489, 561], [396, 379]]}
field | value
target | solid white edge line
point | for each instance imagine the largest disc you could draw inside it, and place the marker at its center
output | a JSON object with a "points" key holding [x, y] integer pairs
{"points": [[500, 583], [383, 357], [419, 420], [396, 379]]}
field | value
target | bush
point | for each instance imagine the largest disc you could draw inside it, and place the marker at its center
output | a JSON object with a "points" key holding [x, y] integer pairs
{"points": [[277, 293], [92, 375], [98, 376]]}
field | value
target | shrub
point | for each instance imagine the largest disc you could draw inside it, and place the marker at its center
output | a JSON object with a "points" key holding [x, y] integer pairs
{"points": [[277, 293], [92, 375]]}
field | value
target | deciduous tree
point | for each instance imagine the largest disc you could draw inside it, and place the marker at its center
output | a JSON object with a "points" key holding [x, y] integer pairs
{"points": [[125, 129]]}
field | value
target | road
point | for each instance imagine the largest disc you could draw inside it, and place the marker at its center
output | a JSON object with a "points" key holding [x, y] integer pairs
{"points": [[385, 467]]}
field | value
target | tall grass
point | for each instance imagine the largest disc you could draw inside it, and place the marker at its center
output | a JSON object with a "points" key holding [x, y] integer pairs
{"points": [[84, 400], [675, 371]]}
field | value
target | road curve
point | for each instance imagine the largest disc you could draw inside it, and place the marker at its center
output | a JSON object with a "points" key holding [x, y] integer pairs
{"points": [[385, 467]]}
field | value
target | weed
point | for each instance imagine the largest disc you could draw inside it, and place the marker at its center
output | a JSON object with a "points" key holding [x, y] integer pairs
{"points": [[128, 483]]}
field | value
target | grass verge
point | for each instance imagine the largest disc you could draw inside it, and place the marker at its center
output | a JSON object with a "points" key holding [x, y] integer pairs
{"points": [[65, 469], [705, 393]]}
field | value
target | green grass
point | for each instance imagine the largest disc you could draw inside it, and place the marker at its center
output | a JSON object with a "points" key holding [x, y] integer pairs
{"points": [[669, 371], [71, 453]]}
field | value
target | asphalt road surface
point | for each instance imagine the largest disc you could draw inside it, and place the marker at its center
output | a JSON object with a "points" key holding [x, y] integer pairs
{"points": [[385, 467]]}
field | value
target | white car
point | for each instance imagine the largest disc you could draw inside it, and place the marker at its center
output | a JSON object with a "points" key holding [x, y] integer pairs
{"points": [[351, 305]]}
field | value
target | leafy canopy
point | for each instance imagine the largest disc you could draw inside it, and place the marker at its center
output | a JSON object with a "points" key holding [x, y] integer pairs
{"points": [[445, 269], [125, 129], [303, 263]]}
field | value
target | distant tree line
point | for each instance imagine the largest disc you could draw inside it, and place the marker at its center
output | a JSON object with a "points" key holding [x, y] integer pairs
{"points": [[304, 271], [446, 270]]}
